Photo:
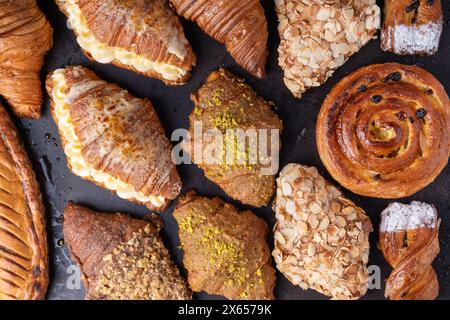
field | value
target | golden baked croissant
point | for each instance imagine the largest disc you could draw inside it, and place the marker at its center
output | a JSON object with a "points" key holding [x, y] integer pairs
{"points": [[384, 130], [25, 38], [139, 35], [121, 258], [23, 240], [226, 104], [225, 251], [412, 26], [240, 25], [409, 242], [112, 138]]}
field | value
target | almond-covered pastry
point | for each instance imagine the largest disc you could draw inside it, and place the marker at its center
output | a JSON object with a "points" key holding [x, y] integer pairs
{"points": [[319, 36], [226, 106], [25, 38], [23, 240], [225, 251], [240, 25], [321, 238], [384, 130], [112, 138], [140, 35], [409, 240], [412, 26], [121, 258]]}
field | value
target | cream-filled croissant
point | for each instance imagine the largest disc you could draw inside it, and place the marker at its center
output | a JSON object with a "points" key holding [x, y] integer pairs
{"points": [[112, 138], [25, 37], [140, 35]]}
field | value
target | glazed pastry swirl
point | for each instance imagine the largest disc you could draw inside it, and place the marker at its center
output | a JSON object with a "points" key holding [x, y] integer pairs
{"points": [[384, 130]]}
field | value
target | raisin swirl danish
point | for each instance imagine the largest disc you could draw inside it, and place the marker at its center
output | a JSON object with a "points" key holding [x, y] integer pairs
{"points": [[409, 242], [384, 130]]}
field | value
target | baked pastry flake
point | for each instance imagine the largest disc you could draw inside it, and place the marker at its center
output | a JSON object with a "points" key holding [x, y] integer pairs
{"points": [[25, 38], [121, 258], [112, 138], [23, 239], [240, 25], [225, 251], [321, 238], [409, 240], [412, 26], [319, 36], [143, 36], [384, 130]]}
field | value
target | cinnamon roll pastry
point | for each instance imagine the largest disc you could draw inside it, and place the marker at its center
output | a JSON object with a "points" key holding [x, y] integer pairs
{"points": [[112, 138], [240, 25], [225, 251], [245, 161], [321, 238], [25, 38], [139, 35], [121, 258], [412, 26], [319, 36], [409, 242], [23, 240], [384, 130]]}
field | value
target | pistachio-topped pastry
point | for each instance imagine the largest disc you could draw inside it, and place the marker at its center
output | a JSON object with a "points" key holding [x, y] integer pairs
{"points": [[225, 251]]}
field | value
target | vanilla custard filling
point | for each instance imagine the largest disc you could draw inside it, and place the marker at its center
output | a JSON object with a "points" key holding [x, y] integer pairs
{"points": [[106, 54], [73, 149]]}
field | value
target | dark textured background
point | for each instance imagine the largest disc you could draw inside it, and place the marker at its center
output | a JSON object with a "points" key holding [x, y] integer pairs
{"points": [[173, 107]]}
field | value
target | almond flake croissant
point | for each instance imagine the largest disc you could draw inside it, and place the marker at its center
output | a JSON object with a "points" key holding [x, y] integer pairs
{"points": [[139, 35], [112, 138], [239, 24], [25, 38]]}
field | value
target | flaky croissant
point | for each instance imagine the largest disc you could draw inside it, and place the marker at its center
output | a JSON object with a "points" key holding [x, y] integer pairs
{"points": [[240, 25], [25, 37], [409, 242]]}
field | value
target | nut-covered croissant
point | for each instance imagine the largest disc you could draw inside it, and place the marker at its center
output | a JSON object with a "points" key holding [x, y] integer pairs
{"points": [[384, 130], [225, 251], [112, 138], [144, 36], [121, 258], [412, 26], [25, 38], [240, 25], [23, 240], [409, 242], [227, 108]]}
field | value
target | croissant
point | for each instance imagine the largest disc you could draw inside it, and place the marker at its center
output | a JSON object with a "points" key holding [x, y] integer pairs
{"points": [[23, 241], [226, 106], [225, 251], [321, 238], [121, 258], [112, 138], [384, 130], [139, 35], [240, 25], [412, 26], [409, 242], [25, 38]]}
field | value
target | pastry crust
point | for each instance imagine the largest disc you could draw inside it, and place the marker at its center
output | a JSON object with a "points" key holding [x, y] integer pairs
{"points": [[23, 240], [225, 103], [121, 257], [25, 38], [141, 34], [238, 24], [384, 130], [412, 26], [117, 142], [225, 251]]}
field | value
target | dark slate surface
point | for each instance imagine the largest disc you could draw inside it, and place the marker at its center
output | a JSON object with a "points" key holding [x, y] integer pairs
{"points": [[173, 106]]}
